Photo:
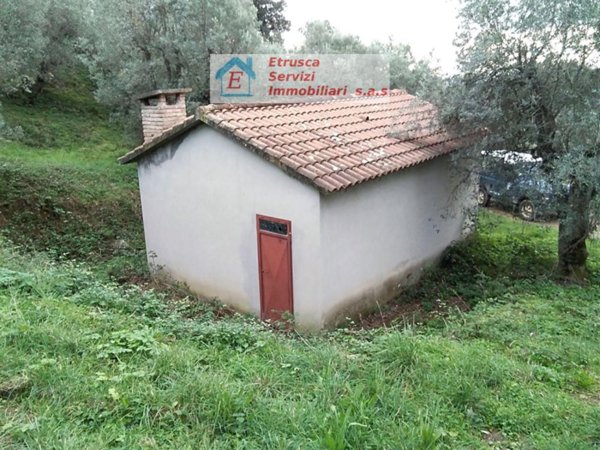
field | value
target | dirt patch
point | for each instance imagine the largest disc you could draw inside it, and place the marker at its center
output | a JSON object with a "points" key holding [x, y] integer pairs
{"points": [[592, 398], [14, 386], [493, 436], [410, 312], [501, 212]]}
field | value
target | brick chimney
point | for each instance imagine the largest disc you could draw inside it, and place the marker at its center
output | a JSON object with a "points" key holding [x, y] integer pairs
{"points": [[161, 110]]}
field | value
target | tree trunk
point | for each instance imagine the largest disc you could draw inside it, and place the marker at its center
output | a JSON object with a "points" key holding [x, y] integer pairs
{"points": [[573, 230], [40, 81], [37, 88]]}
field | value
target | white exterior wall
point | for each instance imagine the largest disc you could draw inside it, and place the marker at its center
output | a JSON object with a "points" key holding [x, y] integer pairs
{"points": [[376, 237], [200, 196]]}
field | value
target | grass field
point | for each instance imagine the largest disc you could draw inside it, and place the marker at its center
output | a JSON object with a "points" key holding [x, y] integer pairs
{"points": [[90, 364], [61, 189]]}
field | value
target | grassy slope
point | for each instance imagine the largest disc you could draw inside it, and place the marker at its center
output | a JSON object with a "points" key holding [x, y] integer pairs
{"points": [[90, 365], [61, 189]]}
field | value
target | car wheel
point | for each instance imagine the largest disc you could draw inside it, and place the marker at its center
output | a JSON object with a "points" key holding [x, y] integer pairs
{"points": [[526, 210], [483, 198]]}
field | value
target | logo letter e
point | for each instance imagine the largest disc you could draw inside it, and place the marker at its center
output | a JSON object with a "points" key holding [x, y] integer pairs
{"points": [[235, 76]]}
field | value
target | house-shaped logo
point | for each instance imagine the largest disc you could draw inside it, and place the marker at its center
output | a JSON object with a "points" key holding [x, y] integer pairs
{"points": [[236, 77]]}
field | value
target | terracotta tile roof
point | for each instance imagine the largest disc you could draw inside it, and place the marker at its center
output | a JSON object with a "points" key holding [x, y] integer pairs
{"points": [[338, 143]]}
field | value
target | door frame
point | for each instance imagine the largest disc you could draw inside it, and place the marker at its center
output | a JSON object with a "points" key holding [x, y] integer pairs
{"points": [[288, 238]]}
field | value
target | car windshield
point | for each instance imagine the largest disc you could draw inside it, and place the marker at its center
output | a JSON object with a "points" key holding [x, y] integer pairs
{"points": [[533, 177], [522, 168]]}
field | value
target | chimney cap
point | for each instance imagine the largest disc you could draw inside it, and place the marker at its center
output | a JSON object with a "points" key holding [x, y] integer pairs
{"points": [[158, 92]]}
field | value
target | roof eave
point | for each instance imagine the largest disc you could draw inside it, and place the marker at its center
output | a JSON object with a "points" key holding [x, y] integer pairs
{"points": [[166, 136]]}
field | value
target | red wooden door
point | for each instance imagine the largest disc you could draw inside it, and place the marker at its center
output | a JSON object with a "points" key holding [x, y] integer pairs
{"points": [[275, 267]]}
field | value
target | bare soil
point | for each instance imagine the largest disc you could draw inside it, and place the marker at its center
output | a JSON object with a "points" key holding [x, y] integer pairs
{"points": [[411, 312]]}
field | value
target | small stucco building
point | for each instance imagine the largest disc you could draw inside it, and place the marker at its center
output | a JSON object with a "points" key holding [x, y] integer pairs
{"points": [[319, 209]]}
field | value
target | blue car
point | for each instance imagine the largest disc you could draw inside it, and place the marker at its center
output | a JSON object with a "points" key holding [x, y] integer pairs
{"points": [[515, 182]]}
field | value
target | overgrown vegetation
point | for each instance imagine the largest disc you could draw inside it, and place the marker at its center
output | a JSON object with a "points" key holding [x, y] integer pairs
{"points": [[530, 77], [61, 190], [88, 360], [507, 257], [88, 364]]}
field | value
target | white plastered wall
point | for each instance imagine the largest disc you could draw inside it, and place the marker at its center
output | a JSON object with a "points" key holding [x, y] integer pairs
{"points": [[378, 235], [200, 196]]}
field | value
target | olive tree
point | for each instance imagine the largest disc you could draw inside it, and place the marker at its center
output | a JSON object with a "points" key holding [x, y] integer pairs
{"points": [[38, 37], [271, 19], [22, 43], [406, 72], [320, 36], [142, 45], [530, 78]]}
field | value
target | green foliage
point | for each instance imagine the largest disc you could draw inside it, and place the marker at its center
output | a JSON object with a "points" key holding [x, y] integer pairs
{"points": [[123, 342], [141, 45], [90, 364], [72, 212], [322, 37], [405, 72], [271, 19], [38, 39], [23, 42], [238, 336], [65, 116], [530, 78], [62, 190], [18, 281], [128, 47]]}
